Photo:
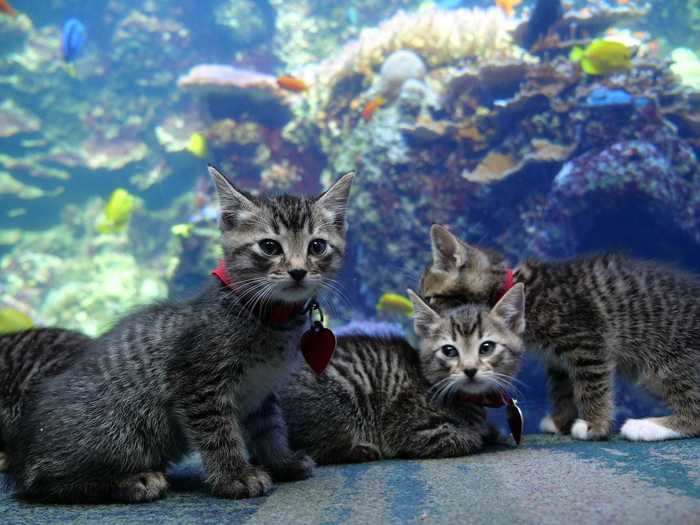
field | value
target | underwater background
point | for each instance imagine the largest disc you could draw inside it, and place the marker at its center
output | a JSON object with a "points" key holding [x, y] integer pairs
{"points": [[536, 130]]}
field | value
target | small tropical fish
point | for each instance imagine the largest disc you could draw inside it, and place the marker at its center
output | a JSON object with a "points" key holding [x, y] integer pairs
{"points": [[115, 217], [72, 40], [291, 83], [182, 230], [394, 303], [197, 145], [508, 6], [601, 57], [6, 8], [371, 108], [12, 320]]}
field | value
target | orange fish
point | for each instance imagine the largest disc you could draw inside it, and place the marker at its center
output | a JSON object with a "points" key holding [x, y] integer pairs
{"points": [[371, 108], [291, 83], [6, 8], [508, 6]]}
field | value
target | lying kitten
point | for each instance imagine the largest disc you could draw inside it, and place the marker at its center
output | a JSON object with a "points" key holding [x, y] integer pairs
{"points": [[26, 358], [589, 318], [380, 398], [199, 374]]}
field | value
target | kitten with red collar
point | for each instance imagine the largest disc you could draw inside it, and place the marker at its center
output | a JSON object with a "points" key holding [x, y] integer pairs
{"points": [[589, 318]]}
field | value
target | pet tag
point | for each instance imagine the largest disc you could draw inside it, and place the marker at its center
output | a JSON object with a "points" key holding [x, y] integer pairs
{"points": [[516, 421], [318, 342]]}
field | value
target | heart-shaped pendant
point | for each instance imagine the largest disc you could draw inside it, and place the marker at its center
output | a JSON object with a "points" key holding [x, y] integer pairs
{"points": [[516, 421], [318, 345]]}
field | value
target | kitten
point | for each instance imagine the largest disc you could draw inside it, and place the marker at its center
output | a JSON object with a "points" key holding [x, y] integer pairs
{"points": [[589, 318], [381, 398], [26, 358], [200, 374]]}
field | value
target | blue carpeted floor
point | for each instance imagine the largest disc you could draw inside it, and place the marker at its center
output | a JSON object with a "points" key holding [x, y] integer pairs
{"points": [[548, 480]]}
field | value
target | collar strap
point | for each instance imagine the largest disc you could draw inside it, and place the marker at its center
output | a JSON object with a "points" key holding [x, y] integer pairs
{"points": [[276, 314], [490, 400], [508, 282]]}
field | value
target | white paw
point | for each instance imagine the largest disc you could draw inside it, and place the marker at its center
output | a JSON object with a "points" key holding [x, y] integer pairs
{"points": [[647, 430], [547, 425], [581, 429], [3, 461]]}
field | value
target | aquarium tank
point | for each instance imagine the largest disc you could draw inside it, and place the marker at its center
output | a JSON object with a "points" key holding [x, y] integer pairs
{"points": [[538, 134]]}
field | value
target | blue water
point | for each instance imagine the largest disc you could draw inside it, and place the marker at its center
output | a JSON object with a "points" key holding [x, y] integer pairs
{"points": [[535, 161]]}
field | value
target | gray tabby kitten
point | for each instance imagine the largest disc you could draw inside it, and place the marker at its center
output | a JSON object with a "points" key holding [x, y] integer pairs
{"points": [[589, 318], [200, 374], [26, 358], [380, 398]]}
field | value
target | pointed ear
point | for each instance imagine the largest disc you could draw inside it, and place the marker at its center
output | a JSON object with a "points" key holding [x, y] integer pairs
{"points": [[511, 309], [424, 317], [448, 251], [232, 202], [334, 200]]}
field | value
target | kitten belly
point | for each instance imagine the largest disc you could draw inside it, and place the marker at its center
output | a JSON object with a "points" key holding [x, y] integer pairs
{"points": [[277, 362]]}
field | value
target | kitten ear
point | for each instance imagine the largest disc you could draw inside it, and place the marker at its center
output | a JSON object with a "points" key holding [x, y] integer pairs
{"points": [[231, 201], [334, 200], [511, 309], [424, 317], [448, 251]]}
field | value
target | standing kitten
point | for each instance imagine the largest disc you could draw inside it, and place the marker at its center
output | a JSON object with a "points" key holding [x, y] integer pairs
{"points": [[588, 318], [26, 358], [199, 374], [380, 398]]}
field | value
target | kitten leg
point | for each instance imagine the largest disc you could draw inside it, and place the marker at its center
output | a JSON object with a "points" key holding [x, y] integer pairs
{"points": [[561, 391], [3, 462], [651, 429], [215, 430], [139, 488], [592, 379], [268, 435]]}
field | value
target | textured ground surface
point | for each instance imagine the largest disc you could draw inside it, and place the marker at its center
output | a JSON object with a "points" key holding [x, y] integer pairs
{"points": [[548, 480]]}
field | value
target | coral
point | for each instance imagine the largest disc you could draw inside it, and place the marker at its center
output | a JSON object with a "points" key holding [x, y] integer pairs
{"points": [[280, 177], [14, 32], [113, 154], [686, 65], [400, 66], [15, 120], [248, 22], [11, 186]]}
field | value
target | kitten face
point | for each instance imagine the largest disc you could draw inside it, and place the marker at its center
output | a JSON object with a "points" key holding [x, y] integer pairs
{"points": [[471, 349], [282, 249], [460, 273]]}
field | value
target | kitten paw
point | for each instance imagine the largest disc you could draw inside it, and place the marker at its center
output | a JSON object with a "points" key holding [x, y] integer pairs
{"points": [[252, 482], [147, 486], [548, 426], [647, 430], [582, 429], [363, 453], [3, 461], [296, 467]]}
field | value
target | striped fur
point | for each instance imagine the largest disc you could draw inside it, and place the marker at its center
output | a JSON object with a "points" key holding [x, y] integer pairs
{"points": [[381, 398], [590, 318], [200, 374]]}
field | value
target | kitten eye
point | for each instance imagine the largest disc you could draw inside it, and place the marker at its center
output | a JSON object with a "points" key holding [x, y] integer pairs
{"points": [[270, 247], [318, 247], [487, 347], [449, 351]]}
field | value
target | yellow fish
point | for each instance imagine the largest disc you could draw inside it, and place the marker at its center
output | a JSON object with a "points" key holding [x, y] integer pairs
{"points": [[115, 217], [601, 57], [12, 320], [197, 145], [182, 230], [393, 303]]}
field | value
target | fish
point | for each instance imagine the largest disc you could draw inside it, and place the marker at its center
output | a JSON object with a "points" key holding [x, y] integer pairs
{"points": [[394, 303], [291, 83], [72, 40], [544, 15], [182, 230], [371, 108], [508, 6], [12, 320], [197, 145], [601, 57], [117, 212], [603, 97], [6, 8]]}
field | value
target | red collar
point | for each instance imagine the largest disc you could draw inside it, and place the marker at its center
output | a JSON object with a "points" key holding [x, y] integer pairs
{"points": [[508, 282], [276, 314], [514, 415], [490, 400]]}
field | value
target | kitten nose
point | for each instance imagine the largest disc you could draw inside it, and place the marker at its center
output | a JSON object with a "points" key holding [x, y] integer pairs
{"points": [[298, 274], [470, 372]]}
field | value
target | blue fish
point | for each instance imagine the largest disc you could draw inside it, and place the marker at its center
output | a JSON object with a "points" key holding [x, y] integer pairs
{"points": [[72, 39], [603, 97]]}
